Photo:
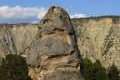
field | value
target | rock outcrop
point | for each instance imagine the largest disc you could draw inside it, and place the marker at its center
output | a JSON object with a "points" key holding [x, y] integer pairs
{"points": [[54, 53]]}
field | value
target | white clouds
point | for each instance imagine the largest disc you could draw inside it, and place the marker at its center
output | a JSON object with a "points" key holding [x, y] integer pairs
{"points": [[7, 12], [20, 14], [78, 15]]}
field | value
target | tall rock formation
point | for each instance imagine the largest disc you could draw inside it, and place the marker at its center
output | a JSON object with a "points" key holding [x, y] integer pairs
{"points": [[55, 55]]}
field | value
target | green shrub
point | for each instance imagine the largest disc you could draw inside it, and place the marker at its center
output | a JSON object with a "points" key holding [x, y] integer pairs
{"points": [[14, 67], [93, 71], [99, 72], [113, 73], [87, 69]]}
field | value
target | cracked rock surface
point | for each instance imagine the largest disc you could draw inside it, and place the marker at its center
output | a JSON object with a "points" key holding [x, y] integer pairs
{"points": [[54, 54]]}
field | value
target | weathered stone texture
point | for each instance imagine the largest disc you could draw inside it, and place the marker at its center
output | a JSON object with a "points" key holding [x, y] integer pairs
{"points": [[7, 45], [53, 53], [98, 38]]}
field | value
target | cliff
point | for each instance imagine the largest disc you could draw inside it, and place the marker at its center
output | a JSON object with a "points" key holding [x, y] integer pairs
{"points": [[61, 43], [99, 38]]}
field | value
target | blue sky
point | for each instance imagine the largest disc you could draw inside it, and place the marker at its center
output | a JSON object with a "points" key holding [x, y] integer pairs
{"points": [[87, 7]]}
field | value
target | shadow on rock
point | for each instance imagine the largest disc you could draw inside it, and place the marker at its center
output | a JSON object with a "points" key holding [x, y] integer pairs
{"points": [[14, 67]]}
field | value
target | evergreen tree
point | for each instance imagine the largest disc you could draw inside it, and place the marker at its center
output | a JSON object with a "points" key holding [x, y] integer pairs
{"points": [[113, 73], [99, 73], [86, 69], [14, 67]]}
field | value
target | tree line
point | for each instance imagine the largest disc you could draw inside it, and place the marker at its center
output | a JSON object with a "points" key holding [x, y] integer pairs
{"points": [[95, 71]]}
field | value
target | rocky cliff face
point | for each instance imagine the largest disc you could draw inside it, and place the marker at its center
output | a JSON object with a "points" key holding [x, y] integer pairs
{"points": [[7, 45], [99, 38], [53, 48]]}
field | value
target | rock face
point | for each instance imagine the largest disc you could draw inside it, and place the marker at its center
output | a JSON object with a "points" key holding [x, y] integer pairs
{"points": [[55, 54], [24, 35], [99, 38], [7, 45]]}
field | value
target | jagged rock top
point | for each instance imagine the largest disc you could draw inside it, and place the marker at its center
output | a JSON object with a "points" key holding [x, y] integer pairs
{"points": [[56, 19], [56, 33]]}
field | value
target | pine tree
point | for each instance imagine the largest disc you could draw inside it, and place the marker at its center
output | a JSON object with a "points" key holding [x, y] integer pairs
{"points": [[113, 73], [14, 67], [87, 68], [99, 73]]}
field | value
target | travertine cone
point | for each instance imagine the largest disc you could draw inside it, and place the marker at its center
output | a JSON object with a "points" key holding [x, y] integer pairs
{"points": [[55, 55]]}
